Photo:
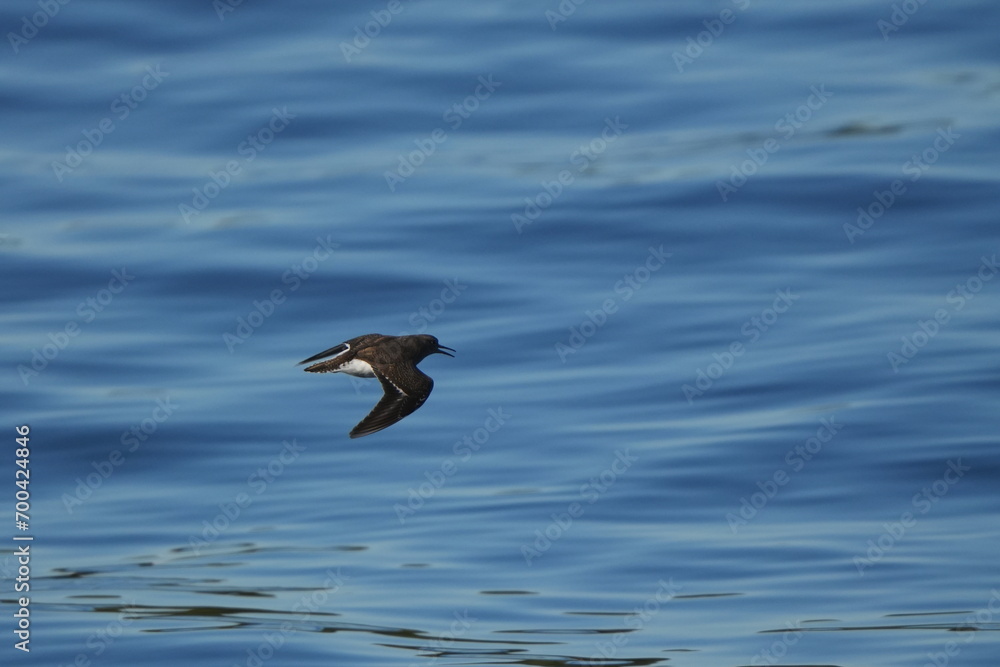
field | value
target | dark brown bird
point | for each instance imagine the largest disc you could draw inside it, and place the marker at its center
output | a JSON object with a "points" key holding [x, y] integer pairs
{"points": [[391, 359]]}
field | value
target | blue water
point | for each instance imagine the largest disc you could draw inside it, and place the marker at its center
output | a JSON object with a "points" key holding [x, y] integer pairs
{"points": [[721, 278]]}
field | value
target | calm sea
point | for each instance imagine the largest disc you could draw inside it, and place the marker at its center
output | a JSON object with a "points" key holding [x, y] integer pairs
{"points": [[722, 278]]}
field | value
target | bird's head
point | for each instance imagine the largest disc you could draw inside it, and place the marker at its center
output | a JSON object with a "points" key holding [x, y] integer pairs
{"points": [[430, 345]]}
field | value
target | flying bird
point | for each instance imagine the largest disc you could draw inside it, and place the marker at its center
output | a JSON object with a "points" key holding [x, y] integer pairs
{"points": [[391, 359]]}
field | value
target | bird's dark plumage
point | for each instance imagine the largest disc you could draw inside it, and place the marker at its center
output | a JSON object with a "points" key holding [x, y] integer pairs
{"points": [[391, 359]]}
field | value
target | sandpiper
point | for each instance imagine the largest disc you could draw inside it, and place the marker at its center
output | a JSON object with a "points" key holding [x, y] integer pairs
{"points": [[391, 359]]}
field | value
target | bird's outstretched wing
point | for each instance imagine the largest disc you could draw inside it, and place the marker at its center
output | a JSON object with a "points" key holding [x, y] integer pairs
{"points": [[406, 389]]}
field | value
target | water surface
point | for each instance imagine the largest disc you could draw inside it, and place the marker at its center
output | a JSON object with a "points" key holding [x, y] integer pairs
{"points": [[721, 279]]}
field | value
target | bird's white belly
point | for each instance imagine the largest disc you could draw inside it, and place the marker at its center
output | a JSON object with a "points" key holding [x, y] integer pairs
{"points": [[356, 367]]}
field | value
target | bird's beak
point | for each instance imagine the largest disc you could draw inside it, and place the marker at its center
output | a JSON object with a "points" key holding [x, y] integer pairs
{"points": [[441, 350]]}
